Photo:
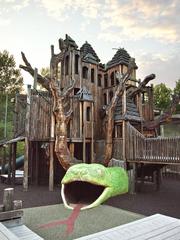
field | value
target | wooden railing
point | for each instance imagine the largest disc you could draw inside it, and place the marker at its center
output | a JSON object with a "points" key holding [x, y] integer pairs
{"points": [[155, 150]]}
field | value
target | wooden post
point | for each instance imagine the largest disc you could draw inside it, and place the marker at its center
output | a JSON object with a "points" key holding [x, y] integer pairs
{"points": [[51, 166], [71, 148], [124, 124], [84, 132], [51, 153], [81, 119], [27, 127], [92, 133], [4, 160], [35, 78], [26, 165], [37, 162], [14, 147], [8, 199], [17, 204], [9, 164], [134, 177]]}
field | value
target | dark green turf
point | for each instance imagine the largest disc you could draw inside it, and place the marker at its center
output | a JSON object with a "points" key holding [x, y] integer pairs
{"points": [[88, 222]]}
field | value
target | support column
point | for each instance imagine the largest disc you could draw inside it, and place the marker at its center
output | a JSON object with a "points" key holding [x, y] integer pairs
{"points": [[92, 133], [71, 148], [27, 127], [51, 166], [51, 153], [14, 147], [9, 163], [84, 132], [133, 179], [37, 163], [26, 165], [124, 124]]}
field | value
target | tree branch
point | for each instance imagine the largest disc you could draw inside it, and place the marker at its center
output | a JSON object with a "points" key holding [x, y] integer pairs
{"points": [[69, 115], [44, 81], [66, 92], [141, 86]]}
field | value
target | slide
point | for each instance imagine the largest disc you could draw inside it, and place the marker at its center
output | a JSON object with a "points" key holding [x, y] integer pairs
{"points": [[19, 164]]}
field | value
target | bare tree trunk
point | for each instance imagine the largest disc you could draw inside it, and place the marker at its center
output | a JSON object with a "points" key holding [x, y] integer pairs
{"points": [[59, 98], [109, 119]]}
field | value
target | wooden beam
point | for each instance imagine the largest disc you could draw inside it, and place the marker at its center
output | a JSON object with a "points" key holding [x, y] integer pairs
{"points": [[37, 162], [51, 153], [51, 166], [134, 178], [35, 78], [92, 133], [27, 127], [71, 148], [3, 160], [26, 165], [124, 124], [14, 147], [11, 215], [9, 163], [84, 132]]}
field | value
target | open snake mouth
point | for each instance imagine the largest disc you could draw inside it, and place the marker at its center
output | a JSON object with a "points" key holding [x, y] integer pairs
{"points": [[92, 184], [80, 192]]}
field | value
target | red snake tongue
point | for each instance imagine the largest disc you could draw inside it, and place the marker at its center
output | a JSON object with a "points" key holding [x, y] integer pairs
{"points": [[69, 222]]}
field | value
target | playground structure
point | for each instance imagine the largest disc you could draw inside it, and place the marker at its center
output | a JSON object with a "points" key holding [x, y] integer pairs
{"points": [[94, 86]]}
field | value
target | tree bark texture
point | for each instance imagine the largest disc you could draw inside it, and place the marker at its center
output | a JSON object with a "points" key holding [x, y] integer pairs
{"points": [[62, 118], [109, 119]]}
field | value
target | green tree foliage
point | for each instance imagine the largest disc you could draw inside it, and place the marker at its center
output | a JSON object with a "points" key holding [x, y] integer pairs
{"points": [[10, 77], [9, 120], [177, 92], [177, 88], [162, 96], [45, 71]]}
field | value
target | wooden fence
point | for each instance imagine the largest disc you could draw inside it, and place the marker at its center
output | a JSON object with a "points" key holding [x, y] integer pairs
{"points": [[154, 150]]}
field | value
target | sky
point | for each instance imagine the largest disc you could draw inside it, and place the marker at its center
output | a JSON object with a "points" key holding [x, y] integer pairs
{"points": [[148, 29]]}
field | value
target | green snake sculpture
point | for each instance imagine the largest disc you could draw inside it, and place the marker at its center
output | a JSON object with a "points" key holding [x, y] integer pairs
{"points": [[92, 184]]}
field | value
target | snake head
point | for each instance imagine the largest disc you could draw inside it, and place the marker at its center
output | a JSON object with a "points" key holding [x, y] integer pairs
{"points": [[92, 184]]}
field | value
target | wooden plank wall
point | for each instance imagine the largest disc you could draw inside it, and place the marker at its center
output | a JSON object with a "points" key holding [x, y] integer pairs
{"points": [[117, 148], [40, 114], [75, 131]]}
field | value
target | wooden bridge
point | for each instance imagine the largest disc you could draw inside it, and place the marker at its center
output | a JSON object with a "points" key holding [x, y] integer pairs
{"points": [[160, 150]]}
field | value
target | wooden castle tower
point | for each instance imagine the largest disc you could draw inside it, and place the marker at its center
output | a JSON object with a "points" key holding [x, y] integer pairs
{"points": [[95, 84]]}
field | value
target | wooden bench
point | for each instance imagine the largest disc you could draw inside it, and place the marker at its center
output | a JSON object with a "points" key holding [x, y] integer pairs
{"points": [[5, 234], [155, 227], [20, 232]]}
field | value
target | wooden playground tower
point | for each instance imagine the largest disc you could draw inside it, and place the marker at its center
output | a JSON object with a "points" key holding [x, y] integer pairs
{"points": [[95, 85]]}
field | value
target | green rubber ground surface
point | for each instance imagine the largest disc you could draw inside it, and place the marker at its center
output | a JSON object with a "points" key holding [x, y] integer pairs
{"points": [[88, 221]]}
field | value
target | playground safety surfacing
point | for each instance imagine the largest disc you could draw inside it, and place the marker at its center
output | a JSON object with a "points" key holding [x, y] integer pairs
{"points": [[56, 222]]}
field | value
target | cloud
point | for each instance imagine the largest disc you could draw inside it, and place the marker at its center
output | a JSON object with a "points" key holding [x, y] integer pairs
{"points": [[132, 19], [57, 9], [4, 22], [20, 4], [8, 7], [165, 67], [141, 19]]}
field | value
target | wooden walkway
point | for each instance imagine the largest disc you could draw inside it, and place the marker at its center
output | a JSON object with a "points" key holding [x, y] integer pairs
{"points": [[155, 227], [160, 150]]}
